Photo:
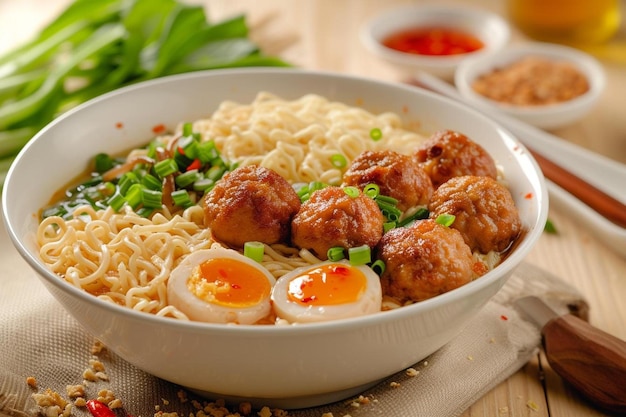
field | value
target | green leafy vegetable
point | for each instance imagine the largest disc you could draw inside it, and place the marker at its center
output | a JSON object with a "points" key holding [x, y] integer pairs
{"points": [[95, 47]]}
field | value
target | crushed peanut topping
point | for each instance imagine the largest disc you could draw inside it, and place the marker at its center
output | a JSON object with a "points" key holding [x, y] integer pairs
{"points": [[265, 412], [80, 402], [31, 382], [97, 347], [52, 404], [533, 81], [75, 391], [532, 405]]}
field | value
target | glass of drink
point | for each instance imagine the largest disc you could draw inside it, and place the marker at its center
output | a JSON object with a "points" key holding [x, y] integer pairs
{"points": [[574, 22]]}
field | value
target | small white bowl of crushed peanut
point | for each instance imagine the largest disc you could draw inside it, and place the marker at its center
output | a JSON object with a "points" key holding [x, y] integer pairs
{"points": [[546, 85]]}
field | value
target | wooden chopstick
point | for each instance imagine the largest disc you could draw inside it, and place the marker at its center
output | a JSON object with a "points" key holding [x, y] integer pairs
{"points": [[610, 208]]}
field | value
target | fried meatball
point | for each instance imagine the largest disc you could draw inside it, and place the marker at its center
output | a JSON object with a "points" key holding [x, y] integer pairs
{"points": [[485, 212], [332, 218], [398, 176], [251, 203], [423, 260], [448, 154]]}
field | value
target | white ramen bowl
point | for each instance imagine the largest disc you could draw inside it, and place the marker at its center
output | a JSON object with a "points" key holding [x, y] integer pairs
{"points": [[280, 366]]}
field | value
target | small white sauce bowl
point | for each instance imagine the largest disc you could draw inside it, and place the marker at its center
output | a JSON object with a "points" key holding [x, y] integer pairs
{"points": [[549, 116], [490, 28]]}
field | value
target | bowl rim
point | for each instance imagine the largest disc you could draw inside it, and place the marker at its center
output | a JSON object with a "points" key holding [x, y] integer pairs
{"points": [[458, 294], [470, 69], [433, 14]]}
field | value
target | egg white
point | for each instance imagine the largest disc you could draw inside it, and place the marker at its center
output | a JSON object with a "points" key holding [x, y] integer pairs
{"points": [[369, 302], [199, 309]]}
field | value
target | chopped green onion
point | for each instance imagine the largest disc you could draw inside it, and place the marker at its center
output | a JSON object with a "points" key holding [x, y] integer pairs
{"points": [[116, 202], [420, 214], [391, 212], [304, 191], [336, 253], [134, 195], [391, 215], [151, 182], [57, 210], [550, 227], [445, 219], [360, 255], [165, 167], [316, 185], [151, 198], [91, 182], [216, 172], [126, 181], [187, 178], [376, 134], [387, 226], [387, 200], [145, 212], [351, 191], [182, 160], [379, 267], [181, 198], [107, 189], [254, 250], [206, 151], [187, 129], [301, 188], [203, 184], [338, 160], [189, 146], [371, 190], [151, 149], [103, 162], [218, 162]]}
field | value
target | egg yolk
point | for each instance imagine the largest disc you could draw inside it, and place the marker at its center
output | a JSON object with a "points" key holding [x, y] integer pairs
{"points": [[229, 282], [329, 284]]}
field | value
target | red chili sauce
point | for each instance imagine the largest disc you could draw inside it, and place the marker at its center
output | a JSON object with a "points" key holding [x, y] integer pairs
{"points": [[433, 41]]}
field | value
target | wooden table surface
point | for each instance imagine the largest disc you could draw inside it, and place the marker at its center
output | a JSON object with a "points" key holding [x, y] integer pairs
{"points": [[323, 35]]}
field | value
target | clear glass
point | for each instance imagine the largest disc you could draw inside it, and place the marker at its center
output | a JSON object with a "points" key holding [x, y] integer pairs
{"points": [[576, 22]]}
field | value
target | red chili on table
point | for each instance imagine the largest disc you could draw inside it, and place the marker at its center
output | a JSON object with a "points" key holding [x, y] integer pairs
{"points": [[433, 41], [99, 409]]}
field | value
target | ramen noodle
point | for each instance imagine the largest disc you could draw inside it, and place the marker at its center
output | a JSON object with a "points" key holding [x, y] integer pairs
{"points": [[126, 259]]}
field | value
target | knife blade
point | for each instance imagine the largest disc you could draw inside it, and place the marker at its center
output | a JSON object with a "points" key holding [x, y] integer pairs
{"points": [[591, 360]]}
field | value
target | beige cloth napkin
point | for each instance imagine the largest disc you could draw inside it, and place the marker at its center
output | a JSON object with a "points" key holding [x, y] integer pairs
{"points": [[39, 339]]}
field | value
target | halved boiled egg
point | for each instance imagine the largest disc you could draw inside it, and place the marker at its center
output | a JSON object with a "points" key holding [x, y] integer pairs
{"points": [[327, 291], [221, 286]]}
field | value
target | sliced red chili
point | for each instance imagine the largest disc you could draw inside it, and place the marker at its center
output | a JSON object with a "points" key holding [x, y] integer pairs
{"points": [[196, 164], [99, 409]]}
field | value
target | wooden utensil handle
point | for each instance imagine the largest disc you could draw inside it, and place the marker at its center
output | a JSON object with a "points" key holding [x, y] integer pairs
{"points": [[592, 361]]}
